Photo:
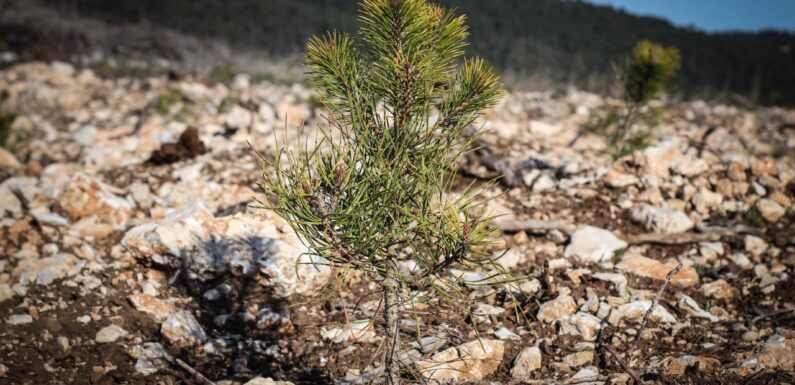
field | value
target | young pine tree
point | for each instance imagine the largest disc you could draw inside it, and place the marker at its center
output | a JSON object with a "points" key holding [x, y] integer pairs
{"points": [[372, 193], [643, 78]]}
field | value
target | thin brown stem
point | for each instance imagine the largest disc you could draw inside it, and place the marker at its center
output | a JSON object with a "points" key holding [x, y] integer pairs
{"points": [[623, 365], [391, 327]]}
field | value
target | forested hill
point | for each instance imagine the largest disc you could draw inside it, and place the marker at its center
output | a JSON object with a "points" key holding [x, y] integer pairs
{"points": [[535, 43]]}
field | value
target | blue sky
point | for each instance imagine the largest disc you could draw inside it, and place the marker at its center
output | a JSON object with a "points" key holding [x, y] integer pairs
{"points": [[716, 15]]}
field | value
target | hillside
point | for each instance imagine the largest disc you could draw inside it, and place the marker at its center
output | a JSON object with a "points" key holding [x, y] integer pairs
{"points": [[537, 44]]}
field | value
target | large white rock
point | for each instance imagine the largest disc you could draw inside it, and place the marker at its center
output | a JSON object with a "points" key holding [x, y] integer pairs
{"points": [[473, 360], [705, 200], [9, 203], [770, 210], [557, 309], [634, 311], [206, 247], [593, 245], [777, 352], [356, 331], [662, 219], [528, 361], [651, 268], [660, 159], [150, 358], [85, 196], [182, 329], [581, 324], [110, 334]]}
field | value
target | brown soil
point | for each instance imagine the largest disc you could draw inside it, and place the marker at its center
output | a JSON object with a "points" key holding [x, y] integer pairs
{"points": [[188, 146]]}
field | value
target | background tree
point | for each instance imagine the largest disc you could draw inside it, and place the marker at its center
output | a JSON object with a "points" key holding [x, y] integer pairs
{"points": [[372, 192]]}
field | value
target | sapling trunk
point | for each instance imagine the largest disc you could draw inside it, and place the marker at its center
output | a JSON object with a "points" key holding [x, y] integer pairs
{"points": [[391, 287]]}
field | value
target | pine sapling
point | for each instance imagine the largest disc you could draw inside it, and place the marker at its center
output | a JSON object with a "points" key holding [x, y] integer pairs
{"points": [[372, 191], [643, 78]]}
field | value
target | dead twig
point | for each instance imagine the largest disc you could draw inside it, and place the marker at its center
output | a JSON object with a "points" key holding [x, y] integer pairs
{"points": [[656, 300], [676, 238], [768, 315], [701, 145], [733, 230], [704, 234], [753, 376], [23, 201], [586, 380], [193, 372], [532, 225], [623, 365], [143, 115]]}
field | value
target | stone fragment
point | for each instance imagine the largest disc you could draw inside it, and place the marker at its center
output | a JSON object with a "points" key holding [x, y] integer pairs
{"points": [[659, 159], [593, 245], [634, 311], [158, 309], [677, 366], [691, 167], [44, 271], [662, 219], [770, 210], [9, 202], [473, 360], [587, 376], [51, 219], [430, 344], [543, 183], [267, 381], [141, 194], [150, 358], [578, 359], [710, 251], [618, 179], [19, 319], [84, 196], [719, 289], [509, 259], [181, 329], [557, 309], [741, 260], [654, 269], [777, 353], [6, 292], [581, 324], [110, 334], [206, 247], [780, 198], [504, 333], [528, 361], [689, 305], [618, 280], [8, 161], [706, 200], [356, 331], [755, 245]]}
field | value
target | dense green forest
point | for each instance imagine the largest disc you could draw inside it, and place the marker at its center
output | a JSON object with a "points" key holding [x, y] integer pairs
{"points": [[542, 42]]}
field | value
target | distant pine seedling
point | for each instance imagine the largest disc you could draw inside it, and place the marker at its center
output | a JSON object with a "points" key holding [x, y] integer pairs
{"points": [[642, 78], [372, 193]]}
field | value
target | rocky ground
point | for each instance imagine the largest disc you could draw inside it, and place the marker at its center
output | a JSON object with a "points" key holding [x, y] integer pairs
{"points": [[132, 255]]}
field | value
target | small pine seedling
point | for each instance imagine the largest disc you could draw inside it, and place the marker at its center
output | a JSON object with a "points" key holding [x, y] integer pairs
{"points": [[373, 194], [643, 78]]}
